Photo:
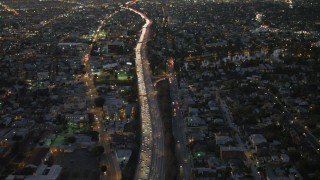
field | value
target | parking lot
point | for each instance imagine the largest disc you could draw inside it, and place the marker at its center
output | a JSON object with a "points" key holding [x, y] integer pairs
{"points": [[80, 164]]}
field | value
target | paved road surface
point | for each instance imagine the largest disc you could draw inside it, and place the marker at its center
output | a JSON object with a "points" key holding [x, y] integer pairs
{"points": [[178, 128], [151, 159], [108, 158]]}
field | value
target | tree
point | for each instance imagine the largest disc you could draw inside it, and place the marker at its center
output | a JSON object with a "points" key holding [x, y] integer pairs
{"points": [[60, 119], [94, 135], [2, 91], [26, 171], [98, 150], [99, 101], [71, 139], [49, 161], [103, 168], [17, 137], [91, 117], [82, 67]]}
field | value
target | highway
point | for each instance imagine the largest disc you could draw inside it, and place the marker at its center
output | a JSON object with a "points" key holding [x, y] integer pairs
{"points": [[151, 157], [108, 158], [178, 128]]}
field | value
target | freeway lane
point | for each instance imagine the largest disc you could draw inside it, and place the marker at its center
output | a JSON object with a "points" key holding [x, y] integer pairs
{"points": [[151, 159]]}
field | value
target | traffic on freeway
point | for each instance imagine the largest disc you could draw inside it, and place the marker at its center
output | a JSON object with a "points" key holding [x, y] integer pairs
{"points": [[151, 158]]}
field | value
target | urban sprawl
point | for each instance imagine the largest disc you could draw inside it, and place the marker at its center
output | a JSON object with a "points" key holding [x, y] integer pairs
{"points": [[222, 89]]}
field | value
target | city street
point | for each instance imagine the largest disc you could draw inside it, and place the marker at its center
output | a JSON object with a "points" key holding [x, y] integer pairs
{"points": [[108, 158], [9, 9], [179, 129], [296, 125]]}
